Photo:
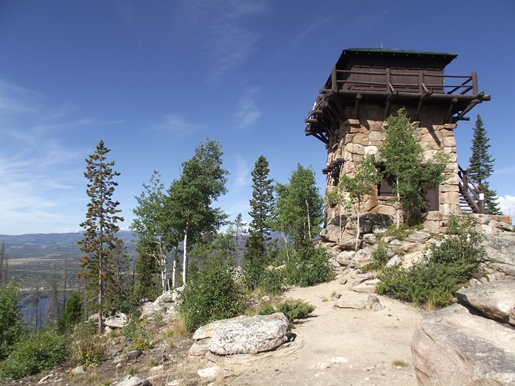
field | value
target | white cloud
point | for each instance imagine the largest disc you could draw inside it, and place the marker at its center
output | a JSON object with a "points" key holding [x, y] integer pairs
{"points": [[242, 175], [177, 125], [247, 110], [507, 205], [227, 40]]}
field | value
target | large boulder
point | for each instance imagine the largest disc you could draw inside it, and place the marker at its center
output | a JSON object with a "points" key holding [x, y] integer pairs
{"points": [[461, 345], [242, 335], [494, 300]]}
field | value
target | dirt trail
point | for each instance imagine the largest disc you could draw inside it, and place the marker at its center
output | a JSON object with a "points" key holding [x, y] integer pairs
{"points": [[341, 346]]}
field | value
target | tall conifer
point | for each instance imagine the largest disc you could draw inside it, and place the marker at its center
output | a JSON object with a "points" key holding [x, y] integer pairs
{"points": [[261, 211], [100, 228], [481, 166]]}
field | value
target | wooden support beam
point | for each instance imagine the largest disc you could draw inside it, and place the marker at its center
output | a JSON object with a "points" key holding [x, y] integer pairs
{"points": [[389, 100], [421, 100], [357, 105], [451, 109], [466, 110]]}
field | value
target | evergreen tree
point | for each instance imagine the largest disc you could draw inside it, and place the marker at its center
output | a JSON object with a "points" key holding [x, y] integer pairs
{"points": [[299, 207], [261, 206], [404, 164], [11, 328], [100, 228], [72, 312], [190, 198], [481, 166], [156, 239]]}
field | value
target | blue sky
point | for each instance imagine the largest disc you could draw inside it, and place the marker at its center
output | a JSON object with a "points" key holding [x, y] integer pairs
{"points": [[153, 79]]}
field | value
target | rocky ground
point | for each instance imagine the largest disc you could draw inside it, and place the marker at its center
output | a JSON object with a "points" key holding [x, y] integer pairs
{"points": [[351, 345]]}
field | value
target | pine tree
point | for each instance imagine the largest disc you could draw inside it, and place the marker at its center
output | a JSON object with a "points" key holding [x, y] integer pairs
{"points": [[261, 206], [481, 167], [100, 228], [11, 327], [190, 198], [299, 207]]}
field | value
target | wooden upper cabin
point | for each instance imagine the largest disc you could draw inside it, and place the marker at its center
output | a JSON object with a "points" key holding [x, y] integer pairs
{"points": [[387, 76]]}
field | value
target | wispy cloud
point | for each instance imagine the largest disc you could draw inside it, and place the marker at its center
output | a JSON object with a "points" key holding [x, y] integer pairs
{"points": [[247, 110], [37, 169], [240, 178], [178, 125], [227, 39]]}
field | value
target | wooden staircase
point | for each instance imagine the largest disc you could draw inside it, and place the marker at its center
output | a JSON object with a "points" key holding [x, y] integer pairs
{"points": [[471, 198]]}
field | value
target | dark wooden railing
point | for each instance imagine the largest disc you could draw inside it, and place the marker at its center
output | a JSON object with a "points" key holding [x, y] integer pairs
{"points": [[413, 82], [470, 192]]}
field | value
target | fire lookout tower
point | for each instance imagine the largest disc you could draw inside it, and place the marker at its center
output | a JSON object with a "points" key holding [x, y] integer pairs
{"points": [[367, 85]]}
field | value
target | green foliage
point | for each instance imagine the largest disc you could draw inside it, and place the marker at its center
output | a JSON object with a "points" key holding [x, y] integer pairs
{"points": [[308, 266], [190, 198], [135, 332], [380, 258], [36, 352], [299, 207], [359, 186], [11, 328], [271, 281], [72, 313], [447, 267], [292, 309], [404, 165], [212, 294], [261, 205], [295, 309], [88, 349], [100, 228], [481, 166], [156, 239]]}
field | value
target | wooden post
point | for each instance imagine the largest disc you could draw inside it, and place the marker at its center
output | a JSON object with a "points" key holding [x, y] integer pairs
{"points": [[475, 88], [334, 80]]}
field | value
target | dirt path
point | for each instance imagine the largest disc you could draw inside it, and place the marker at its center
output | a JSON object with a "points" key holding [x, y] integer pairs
{"points": [[341, 346]]}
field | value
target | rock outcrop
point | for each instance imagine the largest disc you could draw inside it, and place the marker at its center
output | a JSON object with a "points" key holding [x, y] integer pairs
{"points": [[469, 343], [241, 335]]}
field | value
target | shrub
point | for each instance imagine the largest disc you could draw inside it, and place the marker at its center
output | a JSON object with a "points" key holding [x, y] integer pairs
{"points": [[134, 332], [11, 328], [292, 309], [295, 309], [380, 258], [271, 281], [211, 294], [36, 352], [445, 269], [89, 349], [308, 266]]}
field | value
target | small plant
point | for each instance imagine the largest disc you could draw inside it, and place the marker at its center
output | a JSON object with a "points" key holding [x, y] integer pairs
{"points": [[133, 371], [295, 309], [400, 363], [89, 350], [446, 267], [380, 258]]}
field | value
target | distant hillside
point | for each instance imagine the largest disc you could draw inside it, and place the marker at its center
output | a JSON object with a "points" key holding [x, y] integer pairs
{"points": [[53, 245]]}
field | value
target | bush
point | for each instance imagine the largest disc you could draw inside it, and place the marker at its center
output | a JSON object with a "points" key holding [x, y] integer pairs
{"points": [[272, 281], [211, 294], [380, 258], [292, 309], [445, 269], [36, 352], [11, 328], [308, 266], [295, 309], [134, 332], [89, 349]]}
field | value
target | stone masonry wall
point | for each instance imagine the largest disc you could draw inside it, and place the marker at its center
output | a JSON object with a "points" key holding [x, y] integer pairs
{"points": [[357, 138]]}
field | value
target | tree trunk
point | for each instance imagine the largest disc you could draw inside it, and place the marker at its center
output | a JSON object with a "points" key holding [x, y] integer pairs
{"points": [[309, 220], [357, 229], [398, 209], [184, 259]]}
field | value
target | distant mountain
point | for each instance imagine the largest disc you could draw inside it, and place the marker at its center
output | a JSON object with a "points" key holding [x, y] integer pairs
{"points": [[54, 245]]}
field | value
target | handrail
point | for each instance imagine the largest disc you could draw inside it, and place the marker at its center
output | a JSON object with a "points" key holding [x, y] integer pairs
{"points": [[472, 194], [341, 78]]}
